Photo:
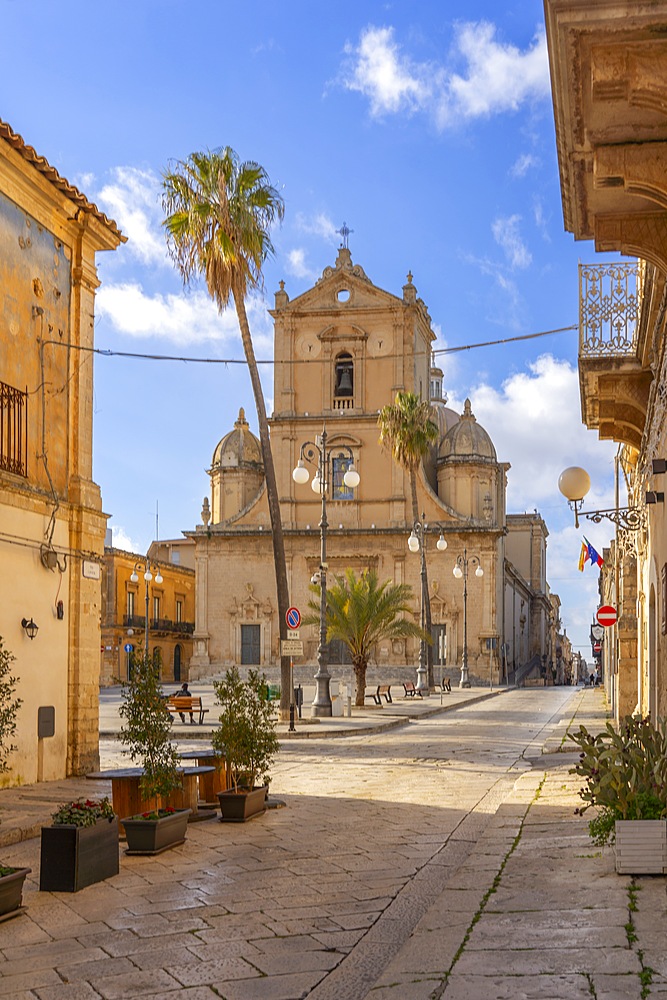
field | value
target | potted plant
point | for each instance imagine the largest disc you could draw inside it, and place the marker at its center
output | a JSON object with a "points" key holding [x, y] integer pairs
{"points": [[81, 847], [146, 733], [156, 830], [626, 780], [11, 890], [247, 737]]}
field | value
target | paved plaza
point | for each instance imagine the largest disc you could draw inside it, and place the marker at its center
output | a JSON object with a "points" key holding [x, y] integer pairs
{"points": [[429, 854]]}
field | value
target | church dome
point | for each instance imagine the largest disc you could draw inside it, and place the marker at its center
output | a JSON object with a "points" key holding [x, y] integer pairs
{"points": [[443, 416], [467, 440], [238, 449]]}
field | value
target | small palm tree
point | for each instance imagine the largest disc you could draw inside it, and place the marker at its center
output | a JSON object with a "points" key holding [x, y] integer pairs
{"points": [[361, 612], [407, 431], [219, 212]]}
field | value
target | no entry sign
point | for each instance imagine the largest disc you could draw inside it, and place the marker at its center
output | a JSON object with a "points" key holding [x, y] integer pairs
{"points": [[293, 618], [607, 615]]}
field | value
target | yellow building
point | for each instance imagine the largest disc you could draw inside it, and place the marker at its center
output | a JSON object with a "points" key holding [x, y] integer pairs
{"points": [[51, 522], [609, 80], [168, 597], [342, 350]]}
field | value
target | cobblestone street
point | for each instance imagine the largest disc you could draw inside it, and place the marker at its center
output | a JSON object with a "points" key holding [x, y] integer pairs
{"points": [[437, 859]]}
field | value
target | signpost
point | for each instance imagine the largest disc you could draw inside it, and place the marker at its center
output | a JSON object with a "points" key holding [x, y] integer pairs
{"points": [[292, 647], [607, 615]]}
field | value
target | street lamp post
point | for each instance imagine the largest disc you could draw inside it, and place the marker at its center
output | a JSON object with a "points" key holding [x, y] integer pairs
{"points": [[461, 570], [317, 453], [148, 576], [417, 543]]}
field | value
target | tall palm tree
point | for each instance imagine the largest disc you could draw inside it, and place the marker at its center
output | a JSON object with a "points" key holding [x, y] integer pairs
{"points": [[407, 431], [219, 211], [361, 612]]}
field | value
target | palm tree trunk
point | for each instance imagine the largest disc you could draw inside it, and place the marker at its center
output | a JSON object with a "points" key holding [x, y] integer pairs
{"points": [[360, 666], [426, 596], [272, 497]]}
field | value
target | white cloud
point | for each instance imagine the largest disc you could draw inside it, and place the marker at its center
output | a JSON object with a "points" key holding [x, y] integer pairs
{"points": [[121, 540], [132, 199], [534, 420], [318, 225], [496, 76], [523, 164], [507, 236], [296, 264], [182, 319], [388, 79]]}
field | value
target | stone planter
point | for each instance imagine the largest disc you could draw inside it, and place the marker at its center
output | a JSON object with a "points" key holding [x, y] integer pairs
{"points": [[11, 889], [73, 857], [152, 836], [237, 807], [641, 846]]}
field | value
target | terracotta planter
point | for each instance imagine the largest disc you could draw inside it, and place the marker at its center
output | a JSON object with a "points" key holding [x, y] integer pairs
{"points": [[73, 857], [11, 889], [237, 807], [152, 836], [641, 846]]}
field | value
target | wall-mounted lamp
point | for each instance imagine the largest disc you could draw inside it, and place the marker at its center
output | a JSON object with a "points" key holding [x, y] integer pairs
{"points": [[574, 483], [30, 627]]}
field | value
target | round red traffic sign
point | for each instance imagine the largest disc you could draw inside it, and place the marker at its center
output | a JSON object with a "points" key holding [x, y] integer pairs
{"points": [[293, 618], [607, 615]]}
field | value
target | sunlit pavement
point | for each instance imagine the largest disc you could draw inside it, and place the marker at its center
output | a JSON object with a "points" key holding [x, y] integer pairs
{"points": [[439, 858]]}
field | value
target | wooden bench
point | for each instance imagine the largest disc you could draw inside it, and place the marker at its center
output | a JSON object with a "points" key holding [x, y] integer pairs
{"points": [[411, 690], [128, 800], [180, 704], [382, 690]]}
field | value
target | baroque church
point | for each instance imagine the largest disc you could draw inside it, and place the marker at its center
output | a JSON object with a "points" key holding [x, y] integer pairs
{"points": [[342, 351]]}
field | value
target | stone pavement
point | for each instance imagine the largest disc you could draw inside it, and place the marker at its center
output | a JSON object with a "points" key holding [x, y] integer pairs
{"points": [[441, 859]]}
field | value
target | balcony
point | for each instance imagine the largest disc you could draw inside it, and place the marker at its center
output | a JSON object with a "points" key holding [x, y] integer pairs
{"points": [[164, 626], [13, 430], [614, 377]]}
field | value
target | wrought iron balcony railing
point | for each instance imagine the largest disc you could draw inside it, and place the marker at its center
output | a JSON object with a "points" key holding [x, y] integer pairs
{"points": [[158, 624], [610, 298], [13, 430]]}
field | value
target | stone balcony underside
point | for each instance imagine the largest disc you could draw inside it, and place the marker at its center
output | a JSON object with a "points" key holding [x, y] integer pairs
{"points": [[614, 398]]}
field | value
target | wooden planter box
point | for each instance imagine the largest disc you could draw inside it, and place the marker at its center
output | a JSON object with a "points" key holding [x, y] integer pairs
{"points": [[641, 846], [237, 807], [11, 889], [152, 836], [73, 857]]}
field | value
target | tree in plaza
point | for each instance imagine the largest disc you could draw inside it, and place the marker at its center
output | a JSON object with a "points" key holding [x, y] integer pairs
{"points": [[361, 612], [219, 211], [407, 431], [146, 731], [9, 706]]}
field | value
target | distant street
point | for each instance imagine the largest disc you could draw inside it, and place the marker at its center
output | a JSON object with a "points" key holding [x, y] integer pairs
{"points": [[320, 898]]}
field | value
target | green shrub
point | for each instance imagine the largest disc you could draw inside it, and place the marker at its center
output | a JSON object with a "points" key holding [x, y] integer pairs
{"points": [[625, 773], [247, 734]]}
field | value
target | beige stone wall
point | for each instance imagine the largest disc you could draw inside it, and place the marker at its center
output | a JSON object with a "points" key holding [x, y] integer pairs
{"points": [[51, 521]]}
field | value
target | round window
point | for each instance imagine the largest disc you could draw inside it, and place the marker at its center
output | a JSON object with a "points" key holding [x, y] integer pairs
{"points": [[343, 295]]}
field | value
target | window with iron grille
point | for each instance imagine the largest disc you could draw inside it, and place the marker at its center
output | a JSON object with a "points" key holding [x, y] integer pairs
{"points": [[13, 430]]}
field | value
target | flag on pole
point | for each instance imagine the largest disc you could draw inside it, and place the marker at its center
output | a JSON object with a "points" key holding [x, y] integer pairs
{"points": [[583, 556], [588, 552]]}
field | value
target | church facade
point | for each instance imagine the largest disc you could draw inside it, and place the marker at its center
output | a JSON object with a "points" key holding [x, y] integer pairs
{"points": [[342, 351]]}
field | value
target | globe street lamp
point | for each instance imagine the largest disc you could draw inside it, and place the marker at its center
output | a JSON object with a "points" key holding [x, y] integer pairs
{"points": [[148, 576], [574, 483], [417, 543], [328, 462], [461, 570]]}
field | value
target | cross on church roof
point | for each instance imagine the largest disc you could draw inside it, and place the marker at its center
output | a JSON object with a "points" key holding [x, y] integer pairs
{"points": [[345, 232]]}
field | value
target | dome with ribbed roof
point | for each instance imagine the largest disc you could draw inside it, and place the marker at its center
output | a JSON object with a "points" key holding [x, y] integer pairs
{"points": [[238, 449], [467, 440]]}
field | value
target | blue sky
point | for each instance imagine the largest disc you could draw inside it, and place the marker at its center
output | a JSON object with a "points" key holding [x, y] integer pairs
{"points": [[427, 127]]}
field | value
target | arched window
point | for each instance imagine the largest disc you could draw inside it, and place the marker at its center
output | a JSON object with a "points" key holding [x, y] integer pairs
{"points": [[344, 384]]}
